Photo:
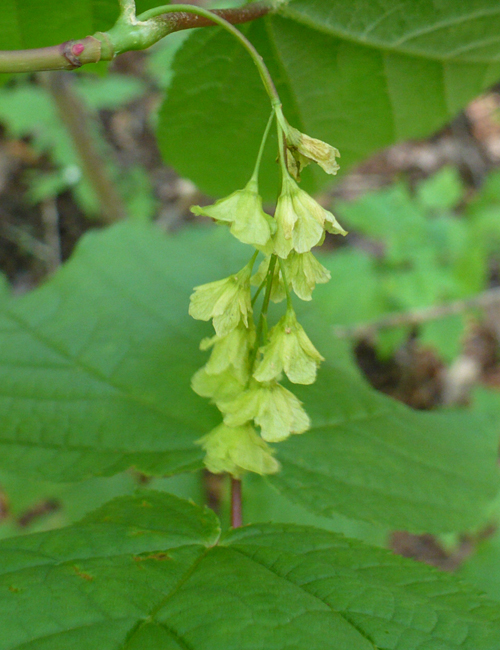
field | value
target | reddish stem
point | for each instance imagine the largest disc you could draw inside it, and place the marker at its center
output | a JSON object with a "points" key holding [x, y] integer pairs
{"points": [[183, 20], [236, 507]]}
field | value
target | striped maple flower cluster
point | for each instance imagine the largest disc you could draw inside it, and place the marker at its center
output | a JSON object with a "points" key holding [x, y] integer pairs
{"points": [[247, 360]]}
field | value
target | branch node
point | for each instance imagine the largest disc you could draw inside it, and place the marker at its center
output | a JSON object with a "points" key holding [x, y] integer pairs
{"points": [[71, 51]]}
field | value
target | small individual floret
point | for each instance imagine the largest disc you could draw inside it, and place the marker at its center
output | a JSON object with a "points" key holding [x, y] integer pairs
{"points": [[300, 220], [273, 408], [304, 272], [231, 352], [236, 450], [227, 301], [243, 210], [222, 387], [289, 350], [306, 150]]}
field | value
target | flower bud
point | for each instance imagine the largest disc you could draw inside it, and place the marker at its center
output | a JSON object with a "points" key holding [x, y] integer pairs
{"points": [[289, 350], [231, 352], [300, 220], [273, 408], [243, 210], [236, 450], [227, 301]]}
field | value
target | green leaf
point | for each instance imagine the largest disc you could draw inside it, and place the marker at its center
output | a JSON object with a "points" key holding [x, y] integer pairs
{"points": [[357, 74], [483, 569], [442, 191], [446, 335], [39, 23], [371, 458], [263, 503], [35, 506], [390, 216], [150, 572], [95, 366]]}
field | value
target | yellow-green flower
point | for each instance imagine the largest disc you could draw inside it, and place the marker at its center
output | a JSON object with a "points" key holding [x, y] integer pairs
{"points": [[227, 301], [230, 352], [273, 408], [300, 220], [243, 210], [303, 273], [289, 350], [307, 150], [222, 387], [236, 450]]}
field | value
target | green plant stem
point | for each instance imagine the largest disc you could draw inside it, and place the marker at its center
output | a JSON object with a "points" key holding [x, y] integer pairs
{"points": [[267, 295], [236, 503], [252, 260], [289, 302], [127, 9], [262, 324], [66, 56], [255, 175], [282, 150], [135, 35], [259, 290], [219, 20], [235, 16]]}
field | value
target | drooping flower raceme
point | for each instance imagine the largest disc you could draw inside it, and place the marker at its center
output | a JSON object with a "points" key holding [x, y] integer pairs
{"points": [[247, 362]]}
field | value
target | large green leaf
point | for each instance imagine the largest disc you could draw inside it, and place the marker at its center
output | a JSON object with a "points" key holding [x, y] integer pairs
{"points": [[95, 369], [372, 458], [39, 23], [150, 572], [358, 74], [95, 366], [483, 569]]}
